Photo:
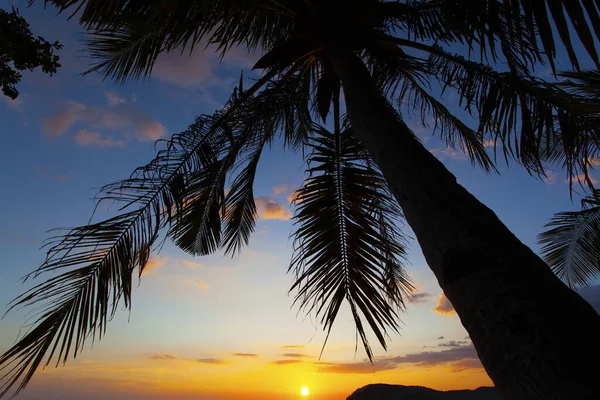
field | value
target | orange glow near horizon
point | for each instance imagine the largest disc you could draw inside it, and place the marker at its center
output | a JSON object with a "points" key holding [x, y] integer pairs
{"points": [[260, 379]]}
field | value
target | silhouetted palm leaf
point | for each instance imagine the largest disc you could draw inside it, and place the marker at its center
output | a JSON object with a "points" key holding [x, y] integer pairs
{"points": [[347, 246], [571, 244], [97, 261], [358, 258]]}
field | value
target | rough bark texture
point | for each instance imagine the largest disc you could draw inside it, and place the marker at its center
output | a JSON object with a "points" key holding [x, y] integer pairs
{"points": [[534, 336]]}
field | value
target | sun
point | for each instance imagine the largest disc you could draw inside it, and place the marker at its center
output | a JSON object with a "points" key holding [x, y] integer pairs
{"points": [[304, 391]]}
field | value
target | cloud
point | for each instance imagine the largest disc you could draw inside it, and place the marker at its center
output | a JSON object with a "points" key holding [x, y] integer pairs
{"points": [[294, 197], [87, 138], [364, 367], [420, 297], [296, 355], [286, 362], [14, 104], [448, 153], [551, 177], [268, 208], [443, 307], [432, 358], [112, 98], [211, 361], [164, 357], [50, 173], [200, 284], [593, 161], [245, 355], [154, 263], [581, 179], [278, 189], [199, 68], [440, 338], [293, 346], [184, 69], [125, 118], [190, 264], [453, 343], [463, 365], [489, 143], [60, 122]]}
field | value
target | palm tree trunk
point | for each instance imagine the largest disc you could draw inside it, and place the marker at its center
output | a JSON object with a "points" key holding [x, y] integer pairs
{"points": [[533, 334]]}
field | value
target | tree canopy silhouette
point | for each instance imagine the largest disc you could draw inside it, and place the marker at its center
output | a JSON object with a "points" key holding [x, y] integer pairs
{"points": [[20, 50], [389, 58]]}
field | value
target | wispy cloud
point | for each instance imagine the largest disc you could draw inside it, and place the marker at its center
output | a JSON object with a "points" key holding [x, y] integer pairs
{"points": [[245, 355], [489, 143], [581, 179], [200, 284], [420, 297], [431, 358], [211, 361], [551, 177], [293, 346], [363, 367], [190, 264], [200, 67], [448, 153], [269, 208], [287, 362], [112, 98], [50, 173], [87, 138], [278, 189], [296, 355], [154, 263], [453, 343], [164, 357], [458, 358], [14, 104], [443, 307], [294, 196], [124, 118]]}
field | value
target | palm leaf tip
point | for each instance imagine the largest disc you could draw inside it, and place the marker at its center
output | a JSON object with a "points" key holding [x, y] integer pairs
{"points": [[571, 244], [347, 246]]}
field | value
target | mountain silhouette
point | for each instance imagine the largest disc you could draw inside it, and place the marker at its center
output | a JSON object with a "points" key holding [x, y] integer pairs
{"points": [[381, 391]]}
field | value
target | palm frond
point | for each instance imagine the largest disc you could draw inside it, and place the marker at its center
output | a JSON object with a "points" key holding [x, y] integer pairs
{"points": [[406, 81], [571, 243], [97, 261], [125, 36], [521, 112], [347, 246], [524, 31]]}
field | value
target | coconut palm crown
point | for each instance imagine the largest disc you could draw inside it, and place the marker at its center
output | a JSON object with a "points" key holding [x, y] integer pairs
{"points": [[348, 245]]}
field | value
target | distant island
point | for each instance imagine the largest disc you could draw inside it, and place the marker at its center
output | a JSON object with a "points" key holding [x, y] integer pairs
{"points": [[381, 391]]}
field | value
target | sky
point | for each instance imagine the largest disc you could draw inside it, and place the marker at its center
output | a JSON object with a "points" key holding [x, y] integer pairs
{"points": [[213, 327]]}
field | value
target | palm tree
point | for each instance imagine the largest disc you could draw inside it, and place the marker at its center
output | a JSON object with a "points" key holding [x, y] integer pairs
{"points": [[378, 52], [571, 244]]}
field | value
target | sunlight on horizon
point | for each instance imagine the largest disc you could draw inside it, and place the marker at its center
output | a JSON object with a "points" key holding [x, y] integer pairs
{"points": [[304, 391]]}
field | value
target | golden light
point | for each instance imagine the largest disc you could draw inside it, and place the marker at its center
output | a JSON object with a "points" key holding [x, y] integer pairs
{"points": [[304, 391]]}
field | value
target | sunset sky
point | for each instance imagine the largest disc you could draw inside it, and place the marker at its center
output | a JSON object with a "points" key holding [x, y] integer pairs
{"points": [[212, 327]]}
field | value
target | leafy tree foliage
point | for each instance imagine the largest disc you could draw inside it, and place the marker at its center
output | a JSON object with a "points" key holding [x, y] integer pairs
{"points": [[20, 51]]}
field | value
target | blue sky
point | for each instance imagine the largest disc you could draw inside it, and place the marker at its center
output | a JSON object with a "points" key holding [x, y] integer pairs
{"points": [[67, 135]]}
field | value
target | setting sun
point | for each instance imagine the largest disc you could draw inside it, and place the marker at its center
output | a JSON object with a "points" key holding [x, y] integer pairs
{"points": [[304, 391]]}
